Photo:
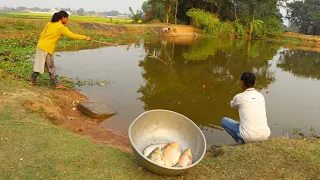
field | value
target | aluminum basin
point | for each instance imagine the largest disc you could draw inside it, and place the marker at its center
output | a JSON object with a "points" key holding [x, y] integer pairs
{"points": [[163, 126]]}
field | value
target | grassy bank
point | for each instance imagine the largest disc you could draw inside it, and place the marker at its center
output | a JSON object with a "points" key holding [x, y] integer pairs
{"points": [[32, 147], [18, 39]]}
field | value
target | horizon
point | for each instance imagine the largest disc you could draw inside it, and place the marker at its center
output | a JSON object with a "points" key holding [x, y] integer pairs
{"points": [[95, 5]]}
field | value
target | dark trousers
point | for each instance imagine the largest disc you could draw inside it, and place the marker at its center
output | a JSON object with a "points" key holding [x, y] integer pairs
{"points": [[49, 66]]}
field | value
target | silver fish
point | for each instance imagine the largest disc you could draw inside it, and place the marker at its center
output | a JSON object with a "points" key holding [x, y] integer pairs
{"points": [[185, 159], [152, 147], [156, 156], [171, 154]]}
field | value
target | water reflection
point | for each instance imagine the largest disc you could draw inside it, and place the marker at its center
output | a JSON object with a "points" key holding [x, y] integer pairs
{"points": [[301, 63], [201, 79]]}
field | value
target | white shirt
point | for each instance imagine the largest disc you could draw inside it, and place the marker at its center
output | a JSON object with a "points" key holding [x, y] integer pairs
{"points": [[165, 30], [253, 118]]}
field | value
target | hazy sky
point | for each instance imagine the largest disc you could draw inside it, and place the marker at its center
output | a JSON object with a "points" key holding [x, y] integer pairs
{"points": [[97, 5]]}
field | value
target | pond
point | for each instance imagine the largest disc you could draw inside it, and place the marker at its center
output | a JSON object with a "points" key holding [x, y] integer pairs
{"points": [[199, 80]]}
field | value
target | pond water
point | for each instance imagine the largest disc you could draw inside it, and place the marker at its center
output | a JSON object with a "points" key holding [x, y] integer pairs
{"points": [[201, 78]]}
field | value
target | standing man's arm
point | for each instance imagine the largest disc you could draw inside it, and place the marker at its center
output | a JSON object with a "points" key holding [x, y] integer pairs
{"points": [[235, 102]]}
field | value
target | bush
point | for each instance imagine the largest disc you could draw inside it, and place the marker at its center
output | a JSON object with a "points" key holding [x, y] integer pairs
{"points": [[211, 24], [272, 27], [206, 21], [258, 30], [240, 30], [227, 29]]}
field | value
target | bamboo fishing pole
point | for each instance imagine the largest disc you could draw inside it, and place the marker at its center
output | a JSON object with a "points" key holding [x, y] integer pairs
{"points": [[101, 42], [113, 44]]}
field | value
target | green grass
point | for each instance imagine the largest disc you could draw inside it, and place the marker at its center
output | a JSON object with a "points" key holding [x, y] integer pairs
{"points": [[16, 53], [33, 148], [72, 18]]}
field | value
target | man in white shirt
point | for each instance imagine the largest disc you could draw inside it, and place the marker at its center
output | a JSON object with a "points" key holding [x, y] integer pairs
{"points": [[253, 126], [165, 31]]}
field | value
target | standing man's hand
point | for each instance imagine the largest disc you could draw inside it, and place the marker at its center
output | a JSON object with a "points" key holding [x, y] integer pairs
{"points": [[88, 39]]}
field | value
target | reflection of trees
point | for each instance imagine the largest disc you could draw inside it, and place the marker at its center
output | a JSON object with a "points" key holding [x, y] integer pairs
{"points": [[301, 63], [218, 66]]}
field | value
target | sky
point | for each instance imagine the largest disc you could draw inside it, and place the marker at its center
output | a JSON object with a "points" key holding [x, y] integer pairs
{"points": [[97, 5]]}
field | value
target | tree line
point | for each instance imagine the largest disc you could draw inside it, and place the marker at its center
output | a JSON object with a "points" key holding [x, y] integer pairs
{"points": [[305, 15], [252, 14]]}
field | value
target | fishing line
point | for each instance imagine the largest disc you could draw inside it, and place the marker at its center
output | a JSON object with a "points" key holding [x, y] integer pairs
{"points": [[113, 44]]}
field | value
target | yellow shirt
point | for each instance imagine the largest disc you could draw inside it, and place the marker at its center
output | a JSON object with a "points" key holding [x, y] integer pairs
{"points": [[52, 33]]}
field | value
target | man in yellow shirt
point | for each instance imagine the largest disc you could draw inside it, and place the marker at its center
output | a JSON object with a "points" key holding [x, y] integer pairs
{"points": [[47, 45]]}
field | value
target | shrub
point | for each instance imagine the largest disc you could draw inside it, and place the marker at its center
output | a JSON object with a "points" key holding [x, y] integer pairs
{"points": [[206, 21], [240, 30]]}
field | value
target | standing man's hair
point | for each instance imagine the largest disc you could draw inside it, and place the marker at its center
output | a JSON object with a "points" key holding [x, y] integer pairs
{"points": [[249, 79], [58, 16]]}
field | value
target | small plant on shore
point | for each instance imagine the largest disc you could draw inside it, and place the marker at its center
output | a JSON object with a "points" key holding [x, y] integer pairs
{"points": [[297, 133]]}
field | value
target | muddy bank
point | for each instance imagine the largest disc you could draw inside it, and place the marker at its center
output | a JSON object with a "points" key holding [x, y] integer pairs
{"points": [[136, 29], [58, 106]]}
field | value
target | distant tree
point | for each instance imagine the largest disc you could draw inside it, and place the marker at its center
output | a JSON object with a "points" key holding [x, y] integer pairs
{"points": [[91, 13], [67, 9], [168, 6], [154, 8], [147, 9], [176, 11], [20, 9], [136, 16], [112, 13], [45, 10], [305, 15], [80, 12], [7, 9], [35, 9]]}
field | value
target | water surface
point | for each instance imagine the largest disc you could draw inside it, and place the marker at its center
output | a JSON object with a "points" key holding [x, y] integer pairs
{"points": [[200, 80]]}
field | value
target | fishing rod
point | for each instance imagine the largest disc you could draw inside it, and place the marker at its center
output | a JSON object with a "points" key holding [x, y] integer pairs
{"points": [[101, 42], [113, 44]]}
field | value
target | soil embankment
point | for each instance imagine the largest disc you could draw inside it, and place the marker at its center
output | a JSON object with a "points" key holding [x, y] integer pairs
{"points": [[310, 43]]}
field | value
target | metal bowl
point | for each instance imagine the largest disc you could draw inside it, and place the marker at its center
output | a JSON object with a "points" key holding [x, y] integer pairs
{"points": [[162, 126]]}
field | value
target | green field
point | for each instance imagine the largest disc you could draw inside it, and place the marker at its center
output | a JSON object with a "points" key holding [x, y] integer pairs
{"points": [[73, 18]]}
